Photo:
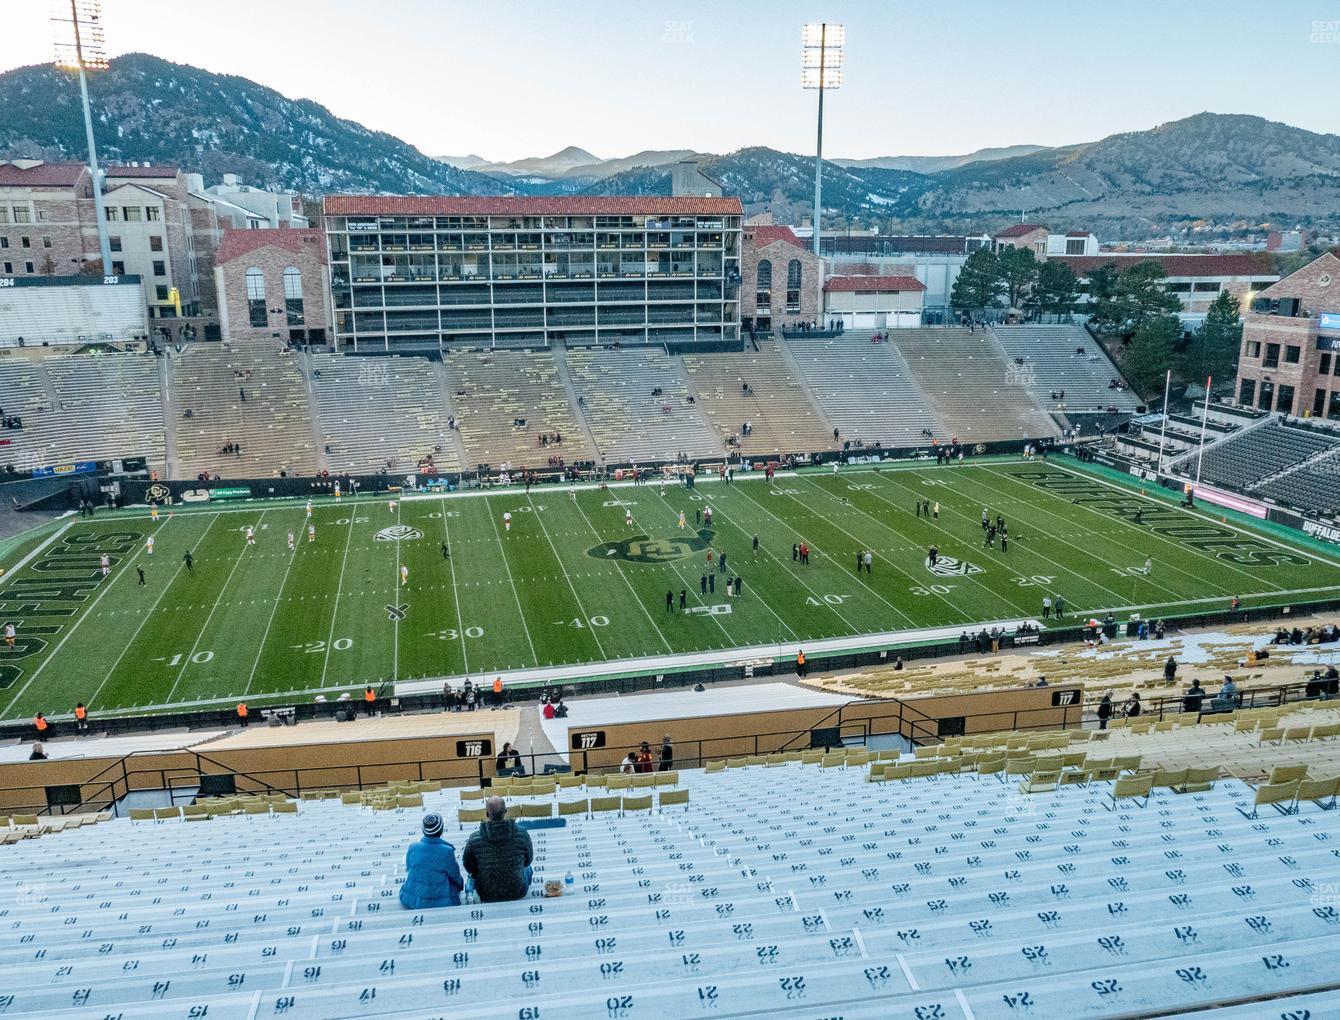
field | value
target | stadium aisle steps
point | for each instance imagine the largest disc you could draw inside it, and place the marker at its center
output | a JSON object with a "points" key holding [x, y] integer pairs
{"points": [[1053, 364], [629, 424], [776, 406], [968, 380], [492, 390], [380, 413], [866, 390]]}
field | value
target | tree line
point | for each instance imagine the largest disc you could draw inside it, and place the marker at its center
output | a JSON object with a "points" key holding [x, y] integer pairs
{"points": [[1130, 308]]}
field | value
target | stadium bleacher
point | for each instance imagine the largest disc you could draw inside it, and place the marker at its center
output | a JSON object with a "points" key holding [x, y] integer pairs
{"points": [[1052, 364], [967, 378], [273, 425], [492, 390], [1256, 453], [615, 389], [82, 407], [788, 885], [1314, 486], [380, 414], [866, 389], [781, 416]]}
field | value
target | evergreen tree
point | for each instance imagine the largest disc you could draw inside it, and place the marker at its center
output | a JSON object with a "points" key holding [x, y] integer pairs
{"points": [[979, 285], [1150, 353], [1017, 270], [1214, 346], [1136, 296], [1057, 289]]}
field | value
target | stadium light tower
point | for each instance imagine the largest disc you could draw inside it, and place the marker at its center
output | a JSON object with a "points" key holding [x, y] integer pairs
{"points": [[79, 48], [821, 69]]}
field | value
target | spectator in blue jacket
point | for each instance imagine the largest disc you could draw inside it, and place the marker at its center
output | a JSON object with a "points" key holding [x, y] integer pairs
{"points": [[433, 878]]}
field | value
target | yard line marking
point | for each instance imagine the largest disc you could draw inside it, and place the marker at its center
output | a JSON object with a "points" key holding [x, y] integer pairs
{"points": [[397, 616], [175, 574], [753, 591], [535, 514], [888, 527], [859, 581], [455, 591], [14, 700], [1150, 534], [237, 562], [624, 577], [800, 574], [270, 622], [339, 590], [1028, 548], [508, 571]]}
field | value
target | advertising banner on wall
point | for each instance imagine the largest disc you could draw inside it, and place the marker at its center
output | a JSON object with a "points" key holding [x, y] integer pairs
{"points": [[1326, 531]]}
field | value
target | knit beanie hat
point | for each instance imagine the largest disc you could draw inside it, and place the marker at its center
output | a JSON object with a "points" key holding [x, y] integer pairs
{"points": [[432, 824]]}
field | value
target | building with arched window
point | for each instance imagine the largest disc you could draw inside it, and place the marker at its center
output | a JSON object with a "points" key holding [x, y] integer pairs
{"points": [[782, 280], [272, 283]]}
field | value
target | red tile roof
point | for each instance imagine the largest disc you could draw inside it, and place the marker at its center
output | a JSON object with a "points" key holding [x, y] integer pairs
{"points": [[768, 235], [237, 243], [1020, 229], [141, 171], [867, 283], [1247, 264], [509, 205], [44, 175]]}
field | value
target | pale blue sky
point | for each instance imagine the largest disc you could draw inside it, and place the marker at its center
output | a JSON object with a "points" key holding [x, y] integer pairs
{"points": [[512, 78]]}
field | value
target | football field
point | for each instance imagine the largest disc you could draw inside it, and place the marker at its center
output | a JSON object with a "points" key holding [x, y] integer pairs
{"points": [[572, 582]]}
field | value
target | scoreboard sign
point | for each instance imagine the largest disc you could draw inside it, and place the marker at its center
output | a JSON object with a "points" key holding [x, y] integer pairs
{"points": [[481, 748], [588, 740]]}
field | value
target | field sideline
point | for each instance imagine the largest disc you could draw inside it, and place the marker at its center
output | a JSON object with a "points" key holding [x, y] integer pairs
{"points": [[572, 583]]}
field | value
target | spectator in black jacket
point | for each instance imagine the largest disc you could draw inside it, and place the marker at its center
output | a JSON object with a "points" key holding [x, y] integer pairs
{"points": [[667, 754], [498, 855]]}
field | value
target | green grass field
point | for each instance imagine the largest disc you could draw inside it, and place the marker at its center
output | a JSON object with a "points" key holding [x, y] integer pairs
{"points": [[571, 583]]}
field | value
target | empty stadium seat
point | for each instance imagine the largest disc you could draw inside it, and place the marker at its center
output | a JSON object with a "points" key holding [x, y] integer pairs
{"points": [[790, 891]]}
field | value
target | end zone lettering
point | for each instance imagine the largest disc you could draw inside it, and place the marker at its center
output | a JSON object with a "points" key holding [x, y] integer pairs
{"points": [[1167, 521], [40, 605]]}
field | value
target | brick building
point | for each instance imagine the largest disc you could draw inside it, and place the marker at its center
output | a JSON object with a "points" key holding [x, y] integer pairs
{"points": [[1290, 360], [273, 283], [780, 279], [163, 226], [1032, 236]]}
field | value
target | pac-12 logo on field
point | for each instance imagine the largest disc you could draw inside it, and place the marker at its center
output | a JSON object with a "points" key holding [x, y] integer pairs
{"points": [[399, 533], [947, 566]]}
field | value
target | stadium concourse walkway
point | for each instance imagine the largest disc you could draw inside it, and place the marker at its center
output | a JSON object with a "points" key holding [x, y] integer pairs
{"points": [[764, 655]]}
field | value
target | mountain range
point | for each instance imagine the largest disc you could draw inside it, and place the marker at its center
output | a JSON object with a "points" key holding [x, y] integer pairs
{"points": [[1233, 172]]}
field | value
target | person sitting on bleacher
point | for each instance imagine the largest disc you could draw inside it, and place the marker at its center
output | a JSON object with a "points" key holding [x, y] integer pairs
{"points": [[498, 855], [432, 877]]}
